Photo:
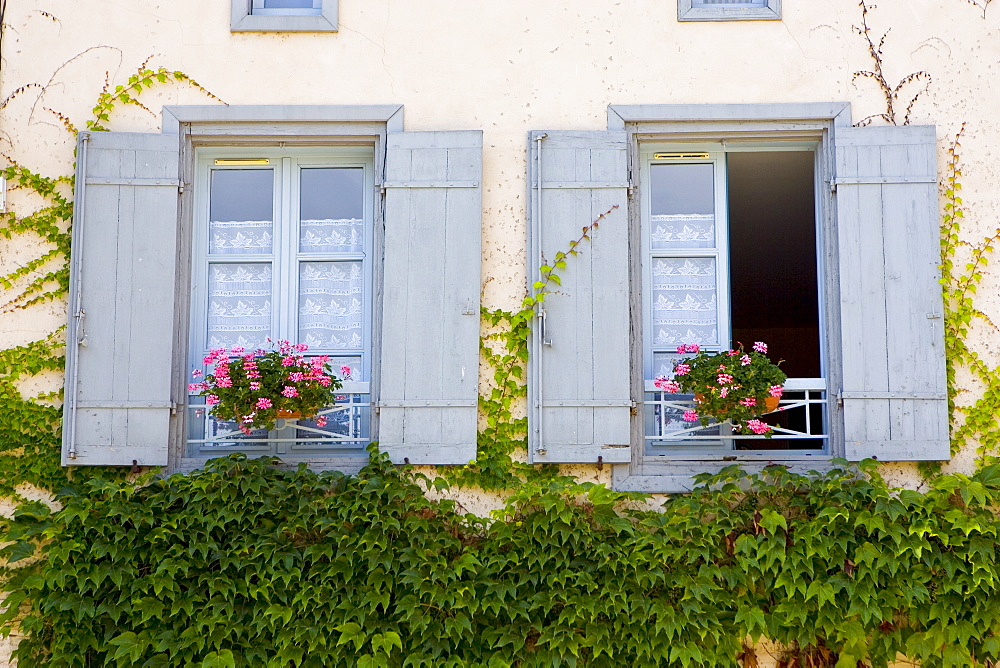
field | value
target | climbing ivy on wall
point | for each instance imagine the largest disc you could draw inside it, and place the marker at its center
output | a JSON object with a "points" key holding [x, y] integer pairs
{"points": [[246, 564], [975, 421]]}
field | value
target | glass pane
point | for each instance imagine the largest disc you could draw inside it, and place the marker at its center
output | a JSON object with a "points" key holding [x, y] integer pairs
{"points": [[683, 206], [241, 211], [239, 305], [685, 304], [331, 298], [332, 210], [285, 4]]}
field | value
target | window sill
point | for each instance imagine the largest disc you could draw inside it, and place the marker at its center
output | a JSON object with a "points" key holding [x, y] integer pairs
{"points": [[347, 465], [243, 21], [671, 474]]}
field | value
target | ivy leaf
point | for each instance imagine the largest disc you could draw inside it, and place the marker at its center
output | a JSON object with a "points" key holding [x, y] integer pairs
{"points": [[221, 659]]}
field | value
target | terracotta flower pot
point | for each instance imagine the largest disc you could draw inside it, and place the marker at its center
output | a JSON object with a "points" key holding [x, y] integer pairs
{"points": [[289, 415]]}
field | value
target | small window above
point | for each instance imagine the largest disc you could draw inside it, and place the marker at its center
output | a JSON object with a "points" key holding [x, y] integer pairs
{"points": [[284, 16], [728, 10]]}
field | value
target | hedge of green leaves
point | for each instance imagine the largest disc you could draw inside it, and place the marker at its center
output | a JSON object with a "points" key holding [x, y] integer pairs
{"points": [[246, 564]]}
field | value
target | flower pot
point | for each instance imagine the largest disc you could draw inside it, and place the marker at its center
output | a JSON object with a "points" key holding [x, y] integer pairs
{"points": [[289, 415]]}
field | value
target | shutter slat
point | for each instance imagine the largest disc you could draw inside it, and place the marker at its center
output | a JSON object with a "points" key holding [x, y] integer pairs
{"points": [[118, 397], [892, 337], [580, 410], [430, 330]]}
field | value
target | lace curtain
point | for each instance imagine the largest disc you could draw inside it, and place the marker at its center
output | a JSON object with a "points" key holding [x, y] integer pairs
{"points": [[685, 302], [331, 298], [239, 304]]}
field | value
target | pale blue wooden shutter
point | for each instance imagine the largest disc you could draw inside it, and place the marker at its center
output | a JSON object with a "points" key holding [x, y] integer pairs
{"points": [[579, 403], [428, 387], [119, 351], [894, 390]]}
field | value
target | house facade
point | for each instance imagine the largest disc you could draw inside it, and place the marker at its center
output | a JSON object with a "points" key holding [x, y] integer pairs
{"points": [[366, 177]]}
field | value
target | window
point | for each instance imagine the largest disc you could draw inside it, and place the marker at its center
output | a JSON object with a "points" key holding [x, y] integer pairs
{"points": [[324, 223], [722, 223], [284, 16], [730, 256], [728, 10], [283, 251]]}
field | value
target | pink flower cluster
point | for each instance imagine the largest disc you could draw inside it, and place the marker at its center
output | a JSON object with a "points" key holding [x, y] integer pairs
{"points": [[760, 347], [724, 379], [688, 348], [748, 401], [758, 427], [671, 386], [776, 390], [745, 360], [682, 369], [690, 416]]}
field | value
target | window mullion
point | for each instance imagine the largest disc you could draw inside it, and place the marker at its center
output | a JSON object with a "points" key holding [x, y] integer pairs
{"points": [[286, 291]]}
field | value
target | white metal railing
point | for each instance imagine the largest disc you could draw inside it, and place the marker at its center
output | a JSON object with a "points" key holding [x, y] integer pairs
{"points": [[803, 405], [347, 428]]}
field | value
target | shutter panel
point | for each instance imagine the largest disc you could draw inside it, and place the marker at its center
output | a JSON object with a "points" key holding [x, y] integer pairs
{"points": [[892, 330], [429, 375], [578, 392], [119, 352]]}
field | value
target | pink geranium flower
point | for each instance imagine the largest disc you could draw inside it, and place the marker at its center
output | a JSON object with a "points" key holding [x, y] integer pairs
{"points": [[758, 427], [760, 347], [263, 402], [321, 421], [346, 370], [724, 379], [289, 392], [690, 416], [776, 390], [211, 400], [745, 360], [682, 369], [748, 401]]}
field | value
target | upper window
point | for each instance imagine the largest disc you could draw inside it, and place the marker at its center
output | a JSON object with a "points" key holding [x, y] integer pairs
{"points": [[283, 251], [284, 16], [728, 10]]}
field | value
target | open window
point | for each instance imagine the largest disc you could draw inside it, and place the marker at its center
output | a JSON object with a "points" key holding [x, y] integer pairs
{"points": [[730, 256], [737, 223]]}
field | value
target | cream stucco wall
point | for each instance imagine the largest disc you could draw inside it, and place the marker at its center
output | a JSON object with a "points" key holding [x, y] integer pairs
{"points": [[506, 68]]}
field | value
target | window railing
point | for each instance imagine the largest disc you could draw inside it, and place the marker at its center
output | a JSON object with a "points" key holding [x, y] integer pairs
{"points": [[800, 422], [347, 429]]}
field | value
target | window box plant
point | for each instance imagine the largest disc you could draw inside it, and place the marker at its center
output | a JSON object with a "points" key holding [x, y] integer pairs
{"points": [[735, 385], [256, 388]]}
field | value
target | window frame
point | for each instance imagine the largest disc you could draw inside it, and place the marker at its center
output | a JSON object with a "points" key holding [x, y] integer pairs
{"points": [[288, 162], [718, 153], [691, 124], [246, 128], [244, 19], [689, 10]]}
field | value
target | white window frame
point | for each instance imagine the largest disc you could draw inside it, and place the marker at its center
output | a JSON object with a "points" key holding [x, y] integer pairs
{"points": [[755, 126], [254, 128], [693, 10], [251, 16], [813, 389], [286, 164]]}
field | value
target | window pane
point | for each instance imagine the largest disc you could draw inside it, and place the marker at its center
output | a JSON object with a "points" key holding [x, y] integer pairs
{"points": [[685, 303], [241, 207], [332, 210], [683, 206], [239, 305], [331, 298], [285, 4], [738, 3]]}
